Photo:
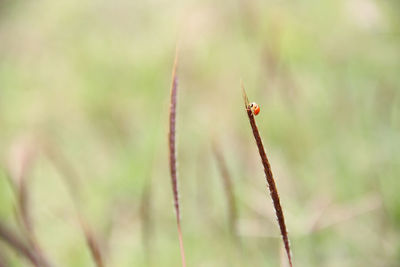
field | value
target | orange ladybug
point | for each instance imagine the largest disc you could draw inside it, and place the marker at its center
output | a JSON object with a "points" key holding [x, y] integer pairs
{"points": [[255, 108]]}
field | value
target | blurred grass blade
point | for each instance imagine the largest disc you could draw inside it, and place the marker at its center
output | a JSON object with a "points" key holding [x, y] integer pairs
{"points": [[172, 153], [71, 180], [22, 157], [229, 191], [18, 245], [92, 243]]}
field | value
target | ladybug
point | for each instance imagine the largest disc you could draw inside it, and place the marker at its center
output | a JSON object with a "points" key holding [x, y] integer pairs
{"points": [[255, 108]]}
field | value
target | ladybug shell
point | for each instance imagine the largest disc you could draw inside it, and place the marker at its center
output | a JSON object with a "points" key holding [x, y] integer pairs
{"points": [[255, 108]]}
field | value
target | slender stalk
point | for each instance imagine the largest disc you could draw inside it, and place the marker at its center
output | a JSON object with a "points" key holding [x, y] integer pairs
{"points": [[172, 154], [91, 242], [19, 182], [269, 177], [23, 204], [18, 245]]}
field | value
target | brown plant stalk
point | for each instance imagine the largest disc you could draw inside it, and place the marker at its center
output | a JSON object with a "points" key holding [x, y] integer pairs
{"points": [[172, 154], [25, 215], [10, 238], [20, 165], [91, 242], [269, 177]]}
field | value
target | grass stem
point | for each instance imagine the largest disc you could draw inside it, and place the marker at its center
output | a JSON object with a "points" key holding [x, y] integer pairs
{"points": [[269, 177], [172, 154]]}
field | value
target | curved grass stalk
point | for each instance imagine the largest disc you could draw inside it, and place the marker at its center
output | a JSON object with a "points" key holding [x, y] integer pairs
{"points": [[172, 154], [269, 177]]}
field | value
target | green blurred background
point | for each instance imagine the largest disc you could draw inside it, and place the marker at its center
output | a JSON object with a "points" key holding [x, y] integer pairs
{"points": [[91, 80]]}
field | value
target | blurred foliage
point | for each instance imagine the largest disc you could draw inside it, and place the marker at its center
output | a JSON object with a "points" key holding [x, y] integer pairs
{"points": [[92, 80]]}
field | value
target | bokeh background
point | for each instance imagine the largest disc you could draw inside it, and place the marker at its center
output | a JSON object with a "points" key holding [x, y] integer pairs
{"points": [[89, 81]]}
